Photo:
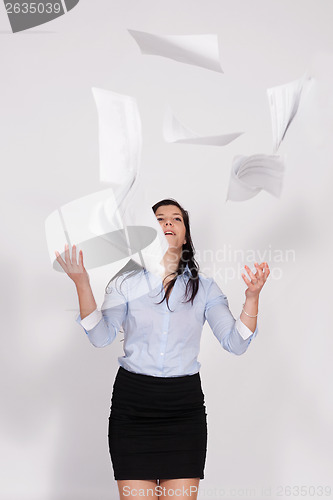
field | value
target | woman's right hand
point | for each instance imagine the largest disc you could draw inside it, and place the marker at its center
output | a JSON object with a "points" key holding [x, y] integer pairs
{"points": [[76, 271]]}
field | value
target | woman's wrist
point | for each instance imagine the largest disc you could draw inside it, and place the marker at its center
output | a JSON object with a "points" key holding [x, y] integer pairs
{"points": [[254, 300], [251, 306], [83, 287]]}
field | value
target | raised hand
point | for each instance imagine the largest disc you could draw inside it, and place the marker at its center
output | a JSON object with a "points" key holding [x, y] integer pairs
{"points": [[257, 280], [75, 270]]}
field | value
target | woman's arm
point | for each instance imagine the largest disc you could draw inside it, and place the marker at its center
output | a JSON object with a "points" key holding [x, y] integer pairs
{"points": [[235, 335], [251, 307], [78, 274], [255, 284], [102, 326], [86, 298]]}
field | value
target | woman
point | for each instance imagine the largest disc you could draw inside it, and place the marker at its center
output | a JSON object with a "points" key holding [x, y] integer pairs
{"points": [[157, 424]]}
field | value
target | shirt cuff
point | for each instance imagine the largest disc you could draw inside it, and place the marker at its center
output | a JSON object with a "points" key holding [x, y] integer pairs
{"points": [[90, 321], [243, 330]]}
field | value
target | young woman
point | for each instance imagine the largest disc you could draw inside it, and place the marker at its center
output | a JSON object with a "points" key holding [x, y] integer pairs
{"points": [[157, 425]]}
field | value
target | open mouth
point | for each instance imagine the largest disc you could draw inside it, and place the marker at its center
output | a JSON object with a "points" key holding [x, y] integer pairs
{"points": [[169, 232]]}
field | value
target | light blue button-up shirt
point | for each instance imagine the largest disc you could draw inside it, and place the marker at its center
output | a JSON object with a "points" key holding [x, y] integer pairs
{"points": [[157, 341]]}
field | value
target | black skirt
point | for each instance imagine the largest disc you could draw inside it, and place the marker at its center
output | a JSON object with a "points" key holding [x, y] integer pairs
{"points": [[157, 427]]}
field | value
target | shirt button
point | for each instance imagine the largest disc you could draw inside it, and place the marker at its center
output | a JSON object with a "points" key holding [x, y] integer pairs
{"points": [[164, 333], [162, 353]]}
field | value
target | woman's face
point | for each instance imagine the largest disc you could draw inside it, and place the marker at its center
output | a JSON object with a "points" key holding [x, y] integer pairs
{"points": [[172, 223]]}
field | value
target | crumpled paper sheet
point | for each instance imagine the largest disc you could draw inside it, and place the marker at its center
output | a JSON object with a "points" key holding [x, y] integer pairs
{"points": [[284, 101], [250, 174], [175, 131], [197, 50]]}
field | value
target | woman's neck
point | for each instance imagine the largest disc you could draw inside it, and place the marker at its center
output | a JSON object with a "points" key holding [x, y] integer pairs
{"points": [[170, 262]]}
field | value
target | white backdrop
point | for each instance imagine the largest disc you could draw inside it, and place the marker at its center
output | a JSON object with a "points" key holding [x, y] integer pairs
{"points": [[270, 411]]}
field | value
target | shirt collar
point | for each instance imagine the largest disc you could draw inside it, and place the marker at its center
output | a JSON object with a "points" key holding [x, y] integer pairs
{"points": [[186, 271]]}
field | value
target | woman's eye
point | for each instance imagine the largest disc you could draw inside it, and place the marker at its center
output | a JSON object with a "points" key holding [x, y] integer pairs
{"points": [[178, 218], [159, 218]]}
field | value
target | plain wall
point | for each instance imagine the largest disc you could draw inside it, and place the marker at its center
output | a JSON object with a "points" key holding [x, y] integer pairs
{"points": [[269, 410]]}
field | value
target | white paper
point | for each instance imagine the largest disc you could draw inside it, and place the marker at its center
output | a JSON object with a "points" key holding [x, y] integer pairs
{"points": [[198, 50], [75, 223], [114, 224], [120, 136], [251, 174], [120, 141], [284, 102], [94, 225], [138, 212], [174, 131]]}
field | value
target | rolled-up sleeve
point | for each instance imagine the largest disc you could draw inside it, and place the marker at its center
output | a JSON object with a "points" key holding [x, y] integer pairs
{"points": [[102, 326], [233, 335]]}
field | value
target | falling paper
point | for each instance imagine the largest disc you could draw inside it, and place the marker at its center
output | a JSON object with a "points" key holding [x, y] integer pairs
{"points": [[138, 212], [174, 131], [284, 101], [75, 223], [89, 223], [112, 225], [198, 50], [251, 174], [120, 142], [317, 111]]}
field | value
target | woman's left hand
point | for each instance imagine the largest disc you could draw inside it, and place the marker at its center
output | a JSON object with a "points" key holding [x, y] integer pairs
{"points": [[257, 280]]}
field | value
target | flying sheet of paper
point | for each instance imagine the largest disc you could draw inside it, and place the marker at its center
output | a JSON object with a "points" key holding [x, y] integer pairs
{"points": [[137, 212], [198, 50], [114, 224], [317, 110], [251, 174], [120, 141], [81, 222], [88, 222], [284, 102], [174, 131]]}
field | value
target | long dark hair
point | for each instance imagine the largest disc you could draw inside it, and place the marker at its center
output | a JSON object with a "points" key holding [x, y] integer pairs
{"points": [[187, 258]]}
